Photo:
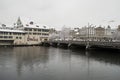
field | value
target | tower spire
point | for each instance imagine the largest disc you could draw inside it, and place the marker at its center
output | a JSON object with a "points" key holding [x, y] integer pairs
{"points": [[19, 23]]}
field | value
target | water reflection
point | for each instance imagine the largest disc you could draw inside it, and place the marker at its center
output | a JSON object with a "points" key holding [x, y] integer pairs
{"points": [[30, 57], [112, 58], [44, 63], [106, 57]]}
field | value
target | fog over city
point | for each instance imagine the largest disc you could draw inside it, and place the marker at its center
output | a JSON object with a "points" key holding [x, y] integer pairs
{"points": [[57, 13]]}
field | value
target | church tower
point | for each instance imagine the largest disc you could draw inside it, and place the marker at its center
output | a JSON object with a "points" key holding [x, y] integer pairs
{"points": [[19, 23]]}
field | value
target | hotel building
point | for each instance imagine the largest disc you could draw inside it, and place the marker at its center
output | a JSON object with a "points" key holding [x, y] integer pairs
{"points": [[29, 34]]}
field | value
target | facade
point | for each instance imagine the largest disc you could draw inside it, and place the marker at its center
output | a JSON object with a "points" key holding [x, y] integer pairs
{"points": [[91, 33], [83, 33], [87, 32], [53, 34], [116, 34], [100, 32], [29, 34], [109, 32], [74, 33], [64, 34]]}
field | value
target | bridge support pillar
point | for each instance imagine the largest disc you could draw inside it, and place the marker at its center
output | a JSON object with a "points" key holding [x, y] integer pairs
{"points": [[69, 45], [87, 46], [58, 44]]}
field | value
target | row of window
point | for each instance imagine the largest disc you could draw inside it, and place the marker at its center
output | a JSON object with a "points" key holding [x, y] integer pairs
{"points": [[10, 33], [18, 37], [43, 30], [6, 37], [10, 37], [23, 34], [45, 34], [38, 34]]}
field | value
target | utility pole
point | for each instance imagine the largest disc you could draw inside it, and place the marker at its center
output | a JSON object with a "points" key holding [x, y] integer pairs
{"points": [[88, 45], [88, 32], [89, 26]]}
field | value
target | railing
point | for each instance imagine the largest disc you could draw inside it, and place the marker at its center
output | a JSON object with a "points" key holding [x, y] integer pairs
{"points": [[90, 43]]}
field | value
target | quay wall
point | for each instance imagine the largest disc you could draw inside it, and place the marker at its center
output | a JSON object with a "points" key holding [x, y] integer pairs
{"points": [[83, 44]]}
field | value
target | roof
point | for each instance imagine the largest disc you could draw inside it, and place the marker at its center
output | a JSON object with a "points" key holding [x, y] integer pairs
{"points": [[9, 30], [37, 26], [26, 25]]}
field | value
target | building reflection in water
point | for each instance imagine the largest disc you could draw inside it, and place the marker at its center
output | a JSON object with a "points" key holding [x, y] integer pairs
{"points": [[106, 57], [54, 63], [99, 62], [30, 57]]}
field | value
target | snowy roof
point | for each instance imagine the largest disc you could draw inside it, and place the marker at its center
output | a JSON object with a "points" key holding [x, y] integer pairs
{"points": [[9, 30], [26, 21], [25, 25], [38, 26]]}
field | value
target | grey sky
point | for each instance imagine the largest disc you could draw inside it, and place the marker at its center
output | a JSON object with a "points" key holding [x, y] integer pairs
{"points": [[56, 13]]}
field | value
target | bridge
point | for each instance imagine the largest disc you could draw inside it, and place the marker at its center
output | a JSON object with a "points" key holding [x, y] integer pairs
{"points": [[83, 44]]}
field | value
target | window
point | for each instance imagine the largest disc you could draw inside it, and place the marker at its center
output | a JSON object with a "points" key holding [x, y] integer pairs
{"points": [[15, 33], [35, 29], [39, 29], [23, 34], [1, 36], [16, 37], [5, 36], [10, 37], [34, 33], [26, 29], [10, 33], [5, 33], [19, 33], [1, 32], [39, 33], [20, 37], [44, 34], [30, 33], [45, 30], [30, 29]]}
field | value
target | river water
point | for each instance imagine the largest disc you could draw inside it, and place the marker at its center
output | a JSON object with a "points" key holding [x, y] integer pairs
{"points": [[48, 63]]}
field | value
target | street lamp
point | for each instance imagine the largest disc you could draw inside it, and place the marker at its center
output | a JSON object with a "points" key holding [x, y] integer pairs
{"points": [[89, 26]]}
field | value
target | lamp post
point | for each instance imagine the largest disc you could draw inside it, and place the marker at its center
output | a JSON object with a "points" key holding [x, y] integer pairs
{"points": [[89, 31], [87, 44]]}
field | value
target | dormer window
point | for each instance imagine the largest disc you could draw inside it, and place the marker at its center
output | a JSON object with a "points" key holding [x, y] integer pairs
{"points": [[27, 25], [31, 23], [37, 26], [44, 26], [3, 25]]}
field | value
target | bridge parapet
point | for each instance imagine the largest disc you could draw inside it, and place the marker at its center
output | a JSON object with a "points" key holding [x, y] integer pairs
{"points": [[89, 44]]}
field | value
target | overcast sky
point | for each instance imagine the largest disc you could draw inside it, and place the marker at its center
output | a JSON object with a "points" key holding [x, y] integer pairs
{"points": [[56, 13]]}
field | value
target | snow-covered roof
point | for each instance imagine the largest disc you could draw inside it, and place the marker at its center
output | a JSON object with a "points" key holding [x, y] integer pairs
{"points": [[9, 30], [37, 26], [25, 25]]}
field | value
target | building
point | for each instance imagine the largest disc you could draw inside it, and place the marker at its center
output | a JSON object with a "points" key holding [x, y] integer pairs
{"points": [[29, 34], [64, 34], [116, 34], [84, 33], [53, 34], [99, 33]]}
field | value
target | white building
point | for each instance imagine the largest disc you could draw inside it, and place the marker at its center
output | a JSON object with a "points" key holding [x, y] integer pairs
{"points": [[87, 32], [116, 34], [65, 33], [29, 34], [109, 32]]}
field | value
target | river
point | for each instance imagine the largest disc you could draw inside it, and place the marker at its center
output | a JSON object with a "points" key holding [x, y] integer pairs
{"points": [[48, 63]]}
